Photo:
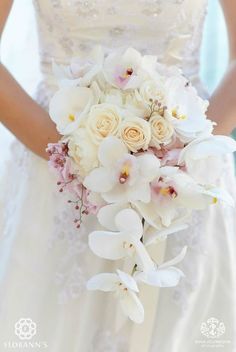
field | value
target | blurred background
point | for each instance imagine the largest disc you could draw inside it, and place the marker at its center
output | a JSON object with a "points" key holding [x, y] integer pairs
{"points": [[21, 29]]}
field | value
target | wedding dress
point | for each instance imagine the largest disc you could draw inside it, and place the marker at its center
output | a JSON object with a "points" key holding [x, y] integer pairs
{"points": [[46, 263]]}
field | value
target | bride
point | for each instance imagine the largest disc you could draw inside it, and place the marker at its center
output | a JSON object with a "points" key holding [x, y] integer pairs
{"points": [[46, 264]]}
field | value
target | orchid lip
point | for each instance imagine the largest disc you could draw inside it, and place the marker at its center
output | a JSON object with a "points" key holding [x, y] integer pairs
{"points": [[124, 174]]}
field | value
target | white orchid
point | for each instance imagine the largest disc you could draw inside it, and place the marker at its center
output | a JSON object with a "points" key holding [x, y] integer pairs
{"points": [[186, 110], [125, 288], [80, 72], [164, 275], [122, 177], [202, 157], [70, 105], [174, 195], [127, 70], [162, 210], [107, 215], [154, 236], [197, 196], [125, 241]]}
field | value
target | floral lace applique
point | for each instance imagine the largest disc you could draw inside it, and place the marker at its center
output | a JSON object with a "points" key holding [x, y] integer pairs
{"points": [[107, 341]]}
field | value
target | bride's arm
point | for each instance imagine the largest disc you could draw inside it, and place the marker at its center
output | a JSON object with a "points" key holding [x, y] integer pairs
{"points": [[222, 107], [18, 111]]}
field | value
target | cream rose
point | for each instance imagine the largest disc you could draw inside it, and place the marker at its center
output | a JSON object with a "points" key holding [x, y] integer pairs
{"points": [[103, 120], [83, 151], [135, 132], [162, 130]]}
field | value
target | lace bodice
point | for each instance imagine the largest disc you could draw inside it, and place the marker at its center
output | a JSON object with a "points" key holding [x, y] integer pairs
{"points": [[170, 29]]}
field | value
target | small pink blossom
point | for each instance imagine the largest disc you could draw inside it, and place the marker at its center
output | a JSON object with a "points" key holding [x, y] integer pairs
{"points": [[171, 157]]}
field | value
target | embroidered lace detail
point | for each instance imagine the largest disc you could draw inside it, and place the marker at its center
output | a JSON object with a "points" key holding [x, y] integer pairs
{"points": [[107, 341], [170, 29], [11, 191], [194, 238], [72, 270]]}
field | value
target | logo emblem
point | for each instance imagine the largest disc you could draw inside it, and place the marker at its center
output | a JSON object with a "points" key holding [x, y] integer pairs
{"points": [[213, 328], [25, 329]]}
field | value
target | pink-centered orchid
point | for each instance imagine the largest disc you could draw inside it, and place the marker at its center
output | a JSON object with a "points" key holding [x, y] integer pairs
{"points": [[128, 69], [174, 195], [122, 177], [186, 110]]}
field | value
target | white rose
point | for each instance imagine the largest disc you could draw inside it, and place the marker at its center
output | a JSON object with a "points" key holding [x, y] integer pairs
{"points": [[150, 91], [135, 132], [103, 120], [112, 96], [83, 151], [162, 130]]}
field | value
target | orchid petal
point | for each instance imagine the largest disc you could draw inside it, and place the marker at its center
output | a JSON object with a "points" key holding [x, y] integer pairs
{"points": [[149, 166], [163, 233], [132, 307], [206, 147], [161, 277], [106, 215], [141, 191], [220, 194], [127, 280], [104, 282], [99, 180], [70, 101], [108, 245], [148, 211], [128, 221], [111, 150], [118, 194], [122, 194], [175, 260], [143, 258]]}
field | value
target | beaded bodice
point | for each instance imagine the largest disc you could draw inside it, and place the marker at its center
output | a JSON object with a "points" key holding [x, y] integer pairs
{"points": [[170, 29]]}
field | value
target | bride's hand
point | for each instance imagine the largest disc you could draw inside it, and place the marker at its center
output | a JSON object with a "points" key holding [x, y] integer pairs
{"points": [[222, 108], [18, 111]]}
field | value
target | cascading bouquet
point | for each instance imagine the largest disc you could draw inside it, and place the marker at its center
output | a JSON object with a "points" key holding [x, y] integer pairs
{"points": [[137, 151]]}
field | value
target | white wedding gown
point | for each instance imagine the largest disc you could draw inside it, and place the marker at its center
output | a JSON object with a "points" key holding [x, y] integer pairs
{"points": [[46, 262]]}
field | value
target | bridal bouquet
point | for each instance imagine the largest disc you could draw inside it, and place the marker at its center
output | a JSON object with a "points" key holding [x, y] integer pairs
{"points": [[137, 151]]}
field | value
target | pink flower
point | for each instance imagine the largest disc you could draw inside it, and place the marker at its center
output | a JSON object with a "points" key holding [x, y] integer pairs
{"points": [[60, 162], [57, 154], [168, 154], [171, 157]]}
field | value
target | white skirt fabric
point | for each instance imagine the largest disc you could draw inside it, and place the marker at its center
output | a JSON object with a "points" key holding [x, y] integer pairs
{"points": [[45, 263]]}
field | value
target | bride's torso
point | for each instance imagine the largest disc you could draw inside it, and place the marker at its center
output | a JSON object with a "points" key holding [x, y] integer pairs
{"points": [[170, 29]]}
